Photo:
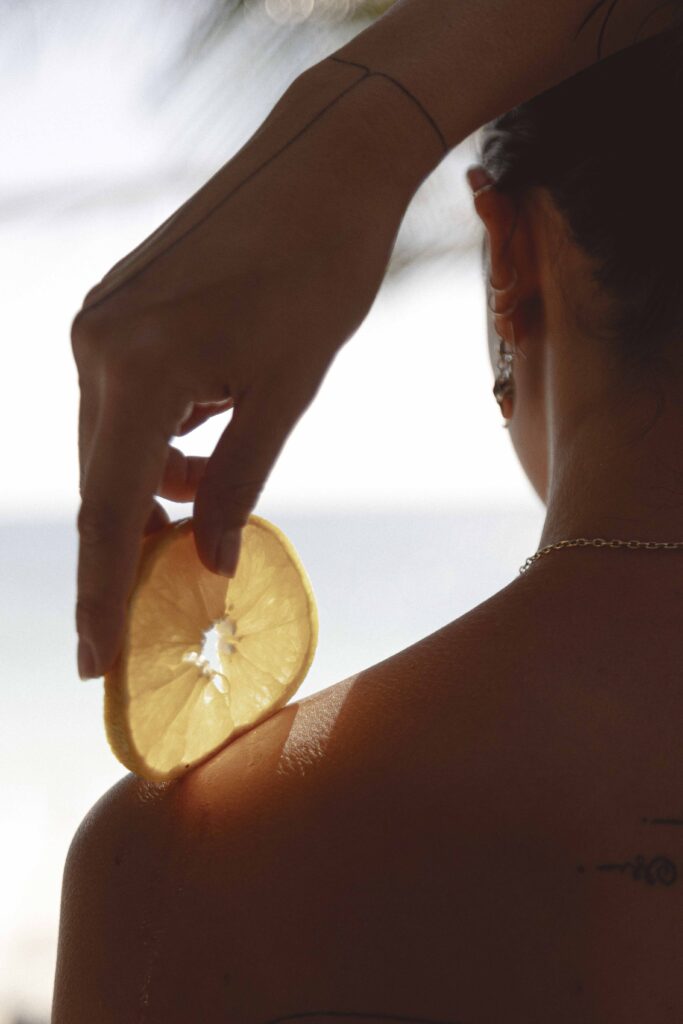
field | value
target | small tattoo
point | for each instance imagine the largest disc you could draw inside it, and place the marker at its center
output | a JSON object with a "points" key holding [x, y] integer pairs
{"points": [[595, 8], [368, 72], [659, 870]]}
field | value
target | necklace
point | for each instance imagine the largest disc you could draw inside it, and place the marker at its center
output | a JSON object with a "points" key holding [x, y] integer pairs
{"points": [[600, 542]]}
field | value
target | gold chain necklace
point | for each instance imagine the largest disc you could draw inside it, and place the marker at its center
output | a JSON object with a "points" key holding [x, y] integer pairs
{"points": [[600, 542]]}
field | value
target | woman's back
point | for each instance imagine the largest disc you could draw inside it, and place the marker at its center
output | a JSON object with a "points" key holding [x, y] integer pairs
{"points": [[486, 827]]}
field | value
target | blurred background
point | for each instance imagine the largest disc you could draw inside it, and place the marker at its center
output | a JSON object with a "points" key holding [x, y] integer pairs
{"points": [[399, 488]]}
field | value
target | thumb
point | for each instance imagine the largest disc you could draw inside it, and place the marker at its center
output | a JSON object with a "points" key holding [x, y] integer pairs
{"points": [[236, 473]]}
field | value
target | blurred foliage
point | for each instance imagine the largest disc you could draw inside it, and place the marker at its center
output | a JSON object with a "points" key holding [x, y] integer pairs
{"points": [[294, 34], [283, 26], [220, 15], [220, 12], [256, 47]]}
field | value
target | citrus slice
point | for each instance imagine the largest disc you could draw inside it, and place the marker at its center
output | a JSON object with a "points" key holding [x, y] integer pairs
{"points": [[168, 704]]}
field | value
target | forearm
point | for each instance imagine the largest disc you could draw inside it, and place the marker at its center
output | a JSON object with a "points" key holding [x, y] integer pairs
{"points": [[379, 114], [465, 61]]}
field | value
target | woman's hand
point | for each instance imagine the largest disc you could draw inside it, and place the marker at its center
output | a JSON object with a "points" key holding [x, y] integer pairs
{"points": [[243, 297]]}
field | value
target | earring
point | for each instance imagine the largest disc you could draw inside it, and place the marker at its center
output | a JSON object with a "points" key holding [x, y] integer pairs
{"points": [[504, 386]]}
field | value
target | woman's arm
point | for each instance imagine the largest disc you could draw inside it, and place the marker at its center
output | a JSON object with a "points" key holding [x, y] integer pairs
{"points": [[248, 291], [466, 61]]}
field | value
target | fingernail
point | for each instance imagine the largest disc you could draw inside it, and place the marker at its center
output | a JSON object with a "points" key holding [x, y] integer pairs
{"points": [[478, 179], [228, 552], [87, 663]]}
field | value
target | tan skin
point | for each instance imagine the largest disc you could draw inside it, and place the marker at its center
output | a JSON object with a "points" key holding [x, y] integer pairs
{"points": [[576, 420], [482, 827]]}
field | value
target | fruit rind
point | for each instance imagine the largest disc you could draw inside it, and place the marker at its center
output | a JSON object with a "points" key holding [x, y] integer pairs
{"points": [[117, 726]]}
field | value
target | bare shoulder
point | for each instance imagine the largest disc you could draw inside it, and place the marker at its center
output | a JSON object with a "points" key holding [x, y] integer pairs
{"points": [[254, 858], [390, 844]]}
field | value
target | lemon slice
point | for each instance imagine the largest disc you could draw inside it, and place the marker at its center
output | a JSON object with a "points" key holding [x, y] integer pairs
{"points": [[167, 704]]}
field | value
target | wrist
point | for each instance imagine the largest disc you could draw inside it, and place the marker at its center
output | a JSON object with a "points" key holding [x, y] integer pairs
{"points": [[380, 128]]}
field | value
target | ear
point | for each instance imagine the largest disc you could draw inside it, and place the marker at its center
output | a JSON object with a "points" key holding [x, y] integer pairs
{"points": [[499, 217]]}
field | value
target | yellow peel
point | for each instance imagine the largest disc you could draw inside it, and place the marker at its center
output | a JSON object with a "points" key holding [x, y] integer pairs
{"points": [[166, 707]]}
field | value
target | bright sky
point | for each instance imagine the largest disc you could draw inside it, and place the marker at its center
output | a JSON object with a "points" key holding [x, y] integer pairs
{"points": [[405, 416]]}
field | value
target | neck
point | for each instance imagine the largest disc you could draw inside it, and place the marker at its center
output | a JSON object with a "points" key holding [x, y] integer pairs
{"points": [[617, 474]]}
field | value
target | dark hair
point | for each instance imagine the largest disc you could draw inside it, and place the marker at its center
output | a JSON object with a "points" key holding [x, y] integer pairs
{"points": [[607, 144]]}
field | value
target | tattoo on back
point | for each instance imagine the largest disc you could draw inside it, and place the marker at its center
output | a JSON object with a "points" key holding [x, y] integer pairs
{"points": [[658, 870]]}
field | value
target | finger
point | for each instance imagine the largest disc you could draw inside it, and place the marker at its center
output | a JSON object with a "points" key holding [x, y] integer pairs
{"points": [[236, 472], [88, 403], [126, 463], [199, 413], [87, 418], [182, 474]]}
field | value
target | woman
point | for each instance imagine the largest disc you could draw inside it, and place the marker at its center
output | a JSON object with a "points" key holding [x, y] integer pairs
{"points": [[487, 826]]}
